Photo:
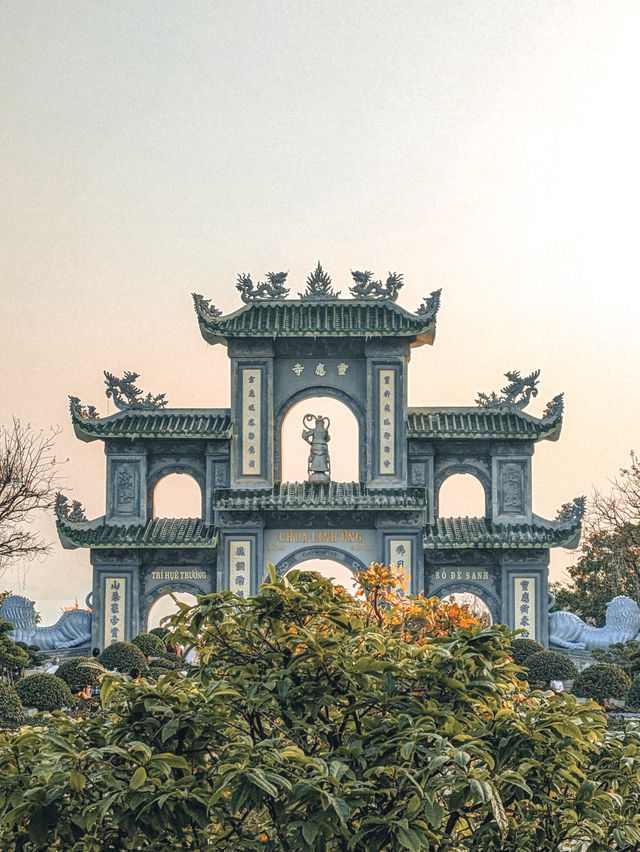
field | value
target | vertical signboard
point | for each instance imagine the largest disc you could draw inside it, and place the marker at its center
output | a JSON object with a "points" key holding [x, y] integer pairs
{"points": [[387, 415], [115, 597], [400, 555], [251, 422], [525, 605], [240, 567]]}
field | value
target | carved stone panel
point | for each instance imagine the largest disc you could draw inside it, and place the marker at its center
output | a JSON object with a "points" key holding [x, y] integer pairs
{"points": [[126, 489], [511, 489]]}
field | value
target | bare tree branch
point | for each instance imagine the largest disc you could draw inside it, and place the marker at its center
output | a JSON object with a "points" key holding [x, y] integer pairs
{"points": [[28, 480]]}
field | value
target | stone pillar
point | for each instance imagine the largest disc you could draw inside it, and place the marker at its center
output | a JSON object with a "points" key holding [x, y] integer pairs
{"points": [[115, 597], [252, 414]]}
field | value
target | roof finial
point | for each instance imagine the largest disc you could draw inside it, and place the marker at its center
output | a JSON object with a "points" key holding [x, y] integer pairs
{"points": [[319, 286], [517, 394]]}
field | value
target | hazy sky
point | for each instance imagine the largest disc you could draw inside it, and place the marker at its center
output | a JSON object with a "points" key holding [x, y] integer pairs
{"points": [[149, 149]]}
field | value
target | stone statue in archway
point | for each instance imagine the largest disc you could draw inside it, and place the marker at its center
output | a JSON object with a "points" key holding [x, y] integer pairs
{"points": [[566, 630], [316, 434], [71, 630]]}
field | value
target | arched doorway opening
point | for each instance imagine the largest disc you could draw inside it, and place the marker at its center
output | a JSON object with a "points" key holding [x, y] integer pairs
{"points": [[165, 605], [462, 495], [339, 574], [344, 445], [476, 606], [177, 495]]}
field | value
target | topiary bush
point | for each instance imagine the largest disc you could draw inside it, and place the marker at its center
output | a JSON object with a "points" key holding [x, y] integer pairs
{"points": [[602, 681], [545, 666], [522, 649], [80, 672], [633, 696], [150, 644], [162, 632], [44, 692], [11, 710], [122, 657]]}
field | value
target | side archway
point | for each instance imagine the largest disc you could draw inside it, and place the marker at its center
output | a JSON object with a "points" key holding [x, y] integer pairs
{"points": [[148, 602], [462, 490], [488, 599], [176, 491]]}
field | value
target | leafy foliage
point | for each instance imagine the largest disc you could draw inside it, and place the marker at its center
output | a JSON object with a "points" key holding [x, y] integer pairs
{"points": [[545, 666], [623, 654], [522, 648], [311, 724], [44, 692], [602, 681], [609, 564], [79, 672], [11, 710], [13, 658], [122, 657], [633, 696], [150, 644]]}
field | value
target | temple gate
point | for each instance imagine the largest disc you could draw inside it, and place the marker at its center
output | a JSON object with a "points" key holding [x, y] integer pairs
{"points": [[281, 351]]}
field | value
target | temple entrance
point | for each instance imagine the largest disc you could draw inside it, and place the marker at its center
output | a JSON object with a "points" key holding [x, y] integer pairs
{"points": [[476, 606], [165, 605], [339, 574]]}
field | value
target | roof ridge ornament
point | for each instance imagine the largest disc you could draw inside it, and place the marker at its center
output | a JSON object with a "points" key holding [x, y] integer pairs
{"points": [[366, 288], [204, 308], [65, 511], [126, 395], [517, 394], [272, 288], [430, 304], [82, 412], [572, 512], [319, 287], [554, 408]]}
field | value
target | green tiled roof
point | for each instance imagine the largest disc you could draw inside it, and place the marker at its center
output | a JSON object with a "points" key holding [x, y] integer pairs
{"points": [[332, 318], [457, 533], [204, 423], [478, 423], [311, 495], [158, 532]]}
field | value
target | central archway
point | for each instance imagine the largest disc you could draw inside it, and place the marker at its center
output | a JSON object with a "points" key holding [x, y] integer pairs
{"points": [[311, 395], [330, 554]]}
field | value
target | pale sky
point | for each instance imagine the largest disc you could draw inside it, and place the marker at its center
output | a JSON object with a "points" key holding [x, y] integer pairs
{"points": [[149, 149]]}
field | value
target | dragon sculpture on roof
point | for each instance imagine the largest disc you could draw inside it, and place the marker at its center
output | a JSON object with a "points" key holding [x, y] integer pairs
{"points": [[126, 395], [272, 288], [517, 394], [366, 288]]}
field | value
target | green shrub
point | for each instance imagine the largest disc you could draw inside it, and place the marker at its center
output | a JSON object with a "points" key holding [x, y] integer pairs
{"points": [[162, 632], [173, 659], [157, 671], [80, 672], [601, 681], [161, 663], [623, 654], [44, 692], [11, 710], [633, 696], [545, 666], [150, 644], [122, 657], [522, 649]]}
